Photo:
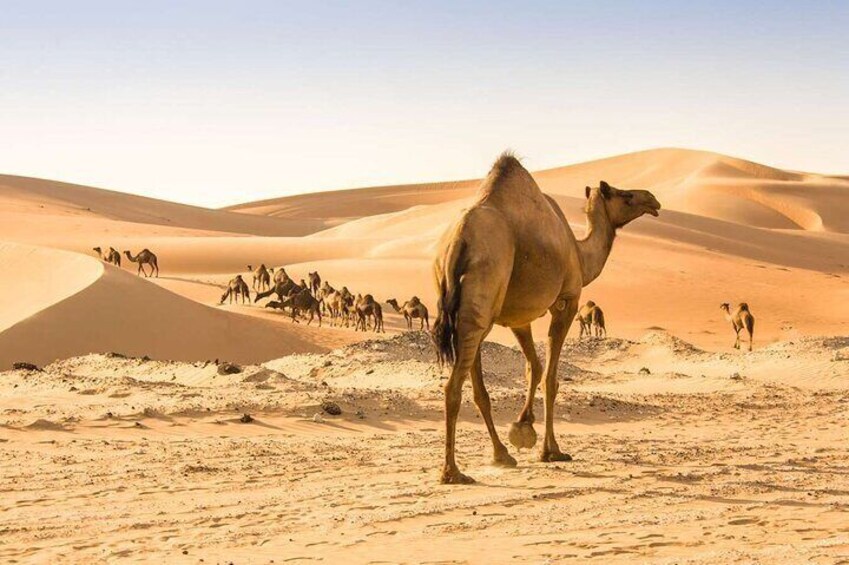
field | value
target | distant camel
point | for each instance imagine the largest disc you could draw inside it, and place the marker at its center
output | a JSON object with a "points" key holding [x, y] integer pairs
{"points": [[303, 301], [323, 293], [280, 275], [236, 288], [315, 283], [261, 278], [145, 257], [112, 256], [740, 318], [591, 319], [510, 258], [366, 307], [413, 308]]}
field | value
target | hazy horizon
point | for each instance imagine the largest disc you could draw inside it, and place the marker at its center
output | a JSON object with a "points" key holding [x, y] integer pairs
{"points": [[211, 103]]}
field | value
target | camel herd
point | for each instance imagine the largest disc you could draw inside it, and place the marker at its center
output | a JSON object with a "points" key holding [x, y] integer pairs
{"points": [[144, 257], [315, 299]]}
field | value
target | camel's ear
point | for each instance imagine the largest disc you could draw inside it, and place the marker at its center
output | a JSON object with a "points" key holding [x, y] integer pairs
{"points": [[587, 192], [605, 189]]}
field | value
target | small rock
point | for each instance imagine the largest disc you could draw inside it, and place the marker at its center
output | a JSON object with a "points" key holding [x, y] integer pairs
{"points": [[114, 355], [317, 418], [645, 371], [736, 377], [24, 366], [331, 408], [145, 358], [246, 419], [228, 369]]}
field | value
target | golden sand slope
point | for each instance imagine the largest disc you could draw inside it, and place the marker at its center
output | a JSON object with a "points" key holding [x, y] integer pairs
{"points": [[61, 304], [705, 458]]}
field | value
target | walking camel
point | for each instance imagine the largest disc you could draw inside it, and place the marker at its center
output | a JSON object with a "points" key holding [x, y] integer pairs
{"points": [[413, 308], [740, 318], [261, 278], [510, 258], [145, 257], [112, 256], [315, 283], [302, 301], [366, 307], [591, 319]]}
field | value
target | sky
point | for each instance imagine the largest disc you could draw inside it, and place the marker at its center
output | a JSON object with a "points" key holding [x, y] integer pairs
{"points": [[215, 103]]}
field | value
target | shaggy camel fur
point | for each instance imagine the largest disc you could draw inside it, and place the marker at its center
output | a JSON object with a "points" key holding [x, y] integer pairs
{"points": [[303, 301], [261, 278], [366, 307], [315, 283], [510, 258], [236, 288], [413, 308], [145, 257], [112, 256], [591, 319], [740, 318]]}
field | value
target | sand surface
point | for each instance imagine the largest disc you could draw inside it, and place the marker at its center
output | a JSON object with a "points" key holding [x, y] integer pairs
{"points": [[129, 446]]}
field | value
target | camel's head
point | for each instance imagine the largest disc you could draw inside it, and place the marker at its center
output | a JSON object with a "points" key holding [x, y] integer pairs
{"points": [[393, 302], [250, 267], [127, 253], [725, 306], [623, 206], [96, 249]]}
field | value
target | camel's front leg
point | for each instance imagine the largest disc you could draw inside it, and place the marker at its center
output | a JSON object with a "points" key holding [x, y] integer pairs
{"points": [[560, 321], [522, 433]]}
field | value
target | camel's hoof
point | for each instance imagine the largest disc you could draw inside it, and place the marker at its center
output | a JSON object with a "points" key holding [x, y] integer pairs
{"points": [[554, 457], [502, 458], [522, 434], [455, 477]]}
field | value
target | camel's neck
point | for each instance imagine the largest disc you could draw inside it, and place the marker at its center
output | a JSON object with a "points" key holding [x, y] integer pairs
{"points": [[133, 259], [594, 249], [728, 315]]}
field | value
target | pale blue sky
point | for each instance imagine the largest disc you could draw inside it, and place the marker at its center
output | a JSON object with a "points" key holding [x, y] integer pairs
{"points": [[212, 102]]}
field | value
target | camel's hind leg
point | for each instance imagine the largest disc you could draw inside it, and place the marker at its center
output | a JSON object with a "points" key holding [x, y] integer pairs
{"points": [[560, 322], [522, 433], [468, 342], [500, 454]]}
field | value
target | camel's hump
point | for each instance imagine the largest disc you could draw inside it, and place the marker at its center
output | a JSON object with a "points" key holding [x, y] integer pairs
{"points": [[509, 179]]}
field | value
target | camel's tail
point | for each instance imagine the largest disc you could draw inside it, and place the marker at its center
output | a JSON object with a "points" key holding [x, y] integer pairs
{"points": [[445, 325]]}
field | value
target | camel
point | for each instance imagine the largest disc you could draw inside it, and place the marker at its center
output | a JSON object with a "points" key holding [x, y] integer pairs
{"points": [[740, 318], [507, 260], [281, 289], [365, 307], [591, 319], [261, 278], [303, 301], [413, 308], [145, 257], [315, 283], [280, 275], [325, 291], [236, 288], [112, 256]]}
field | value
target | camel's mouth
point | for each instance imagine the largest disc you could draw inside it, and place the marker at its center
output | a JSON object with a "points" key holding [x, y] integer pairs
{"points": [[653, 209]]}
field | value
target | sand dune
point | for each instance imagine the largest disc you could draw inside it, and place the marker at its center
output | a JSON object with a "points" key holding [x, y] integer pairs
{"points": [[62, 304]]}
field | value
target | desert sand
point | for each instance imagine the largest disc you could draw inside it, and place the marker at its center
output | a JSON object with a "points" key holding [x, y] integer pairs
{"points": [[129, 445]]}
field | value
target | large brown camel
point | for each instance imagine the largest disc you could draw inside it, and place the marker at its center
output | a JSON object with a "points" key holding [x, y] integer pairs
{"points": [[591, 319], [261, 278], [366, 307], [740, 318], [413, 308], [315, 283], [145, 257], [112, 256], [236, 288], [302, 301], [510, 258]]}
